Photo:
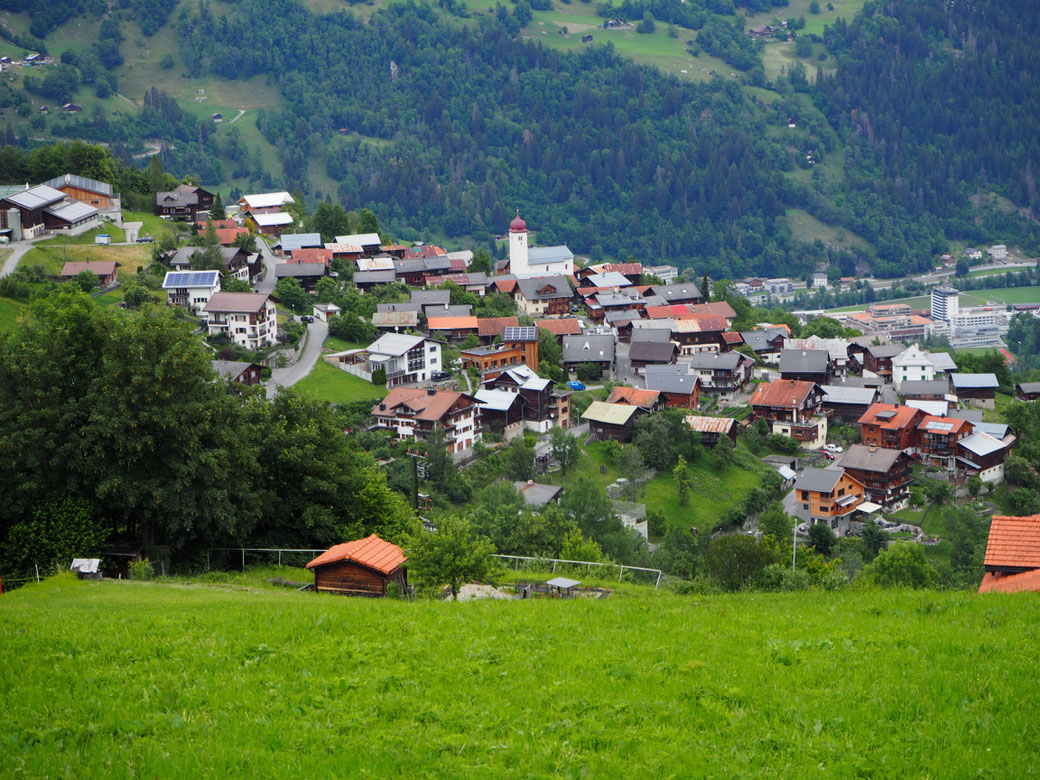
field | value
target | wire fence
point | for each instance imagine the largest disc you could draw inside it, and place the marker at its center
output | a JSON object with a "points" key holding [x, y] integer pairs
{"points": [[637, 574], [13, 580], [226, 558]]}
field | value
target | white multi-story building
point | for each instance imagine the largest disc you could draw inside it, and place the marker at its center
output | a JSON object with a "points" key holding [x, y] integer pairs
{"points": [[945, 305], [404, 358], [912, 365], [191, 289], [248, 319]]}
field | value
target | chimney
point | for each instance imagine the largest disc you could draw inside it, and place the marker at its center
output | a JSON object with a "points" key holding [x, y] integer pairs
{"points": [[382, 407], [431, 391]]}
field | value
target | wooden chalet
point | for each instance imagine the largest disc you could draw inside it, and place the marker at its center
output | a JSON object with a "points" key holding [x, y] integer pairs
{"points": [[891, 427], [612, 421], [363, 567], [976, 389], [1012, 561], [1027, 391], [885, 474], [829, 496], [711, 429]]}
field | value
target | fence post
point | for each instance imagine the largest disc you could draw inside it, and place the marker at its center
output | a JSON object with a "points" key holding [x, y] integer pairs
{"points": [[657, 584], [622, 574], [554, 566], [37, 572], [243, 559], [279, 556]]}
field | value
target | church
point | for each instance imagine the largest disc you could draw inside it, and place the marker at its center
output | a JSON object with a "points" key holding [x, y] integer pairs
{"points": [[527, 262]]}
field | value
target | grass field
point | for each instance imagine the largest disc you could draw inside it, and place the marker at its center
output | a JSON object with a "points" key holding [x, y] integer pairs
{"points": [[119, 678], [116, 233], [808, 228], [52, 258], [9, 312], [327, 383], [995, 296]]}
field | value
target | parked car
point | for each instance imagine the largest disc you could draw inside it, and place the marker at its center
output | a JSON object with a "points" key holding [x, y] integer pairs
{"points": [[440, 376], [576, 385], [146, 239], [828, 455], [836, 448], [306, 318]]}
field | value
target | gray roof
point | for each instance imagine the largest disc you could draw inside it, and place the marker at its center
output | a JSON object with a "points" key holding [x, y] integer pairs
{"points": [[439, 263], [878, 459], [231, 369], [819, 480], [549, 254], [759, 340], [176, 198], [459, 310], [676, 292], [293, 241], [651, 334], [974, 381], [80, 182], [842, 394], [652, 351], [804, 361], [996, 430], [981, 444], [1028, 387], [925, 387], [409, 266], [620, 316], [530, 288], [885, 350], [388, 307], [679, 384], [72, 211], [296, 270], [36, 197], [971, 415], [593, 349], [717, 360], [536, 494], [426, 297], [374, 277], [942, 361]]}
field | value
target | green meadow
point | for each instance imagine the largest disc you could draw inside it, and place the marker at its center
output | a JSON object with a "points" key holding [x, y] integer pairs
{"points": [[206, 680]]}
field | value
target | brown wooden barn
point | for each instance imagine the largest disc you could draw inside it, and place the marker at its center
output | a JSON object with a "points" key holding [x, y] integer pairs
{"points": [[363, 567]]}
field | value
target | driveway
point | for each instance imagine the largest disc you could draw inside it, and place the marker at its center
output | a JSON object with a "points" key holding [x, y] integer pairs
{"points": [[18, 249], [317, 332], [266, 285]]}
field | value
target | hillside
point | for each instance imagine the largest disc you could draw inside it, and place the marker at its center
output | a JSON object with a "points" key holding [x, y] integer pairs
{"points": [[167, 680]]}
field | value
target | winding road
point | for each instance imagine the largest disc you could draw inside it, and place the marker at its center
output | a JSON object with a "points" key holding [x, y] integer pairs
{"points": [[317, 332], [18, 249]]}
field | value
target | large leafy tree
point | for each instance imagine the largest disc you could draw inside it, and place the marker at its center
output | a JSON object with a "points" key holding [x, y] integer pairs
{"points": [[451, 555]]}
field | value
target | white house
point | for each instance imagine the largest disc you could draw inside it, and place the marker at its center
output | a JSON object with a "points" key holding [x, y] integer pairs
{"points": [[248, 319], [405, 359], [912, 365], [526, 262], [191, 289], [325, 311]]}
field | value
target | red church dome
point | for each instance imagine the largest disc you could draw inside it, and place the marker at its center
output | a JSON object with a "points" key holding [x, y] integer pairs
{"points": [[517, 225]]}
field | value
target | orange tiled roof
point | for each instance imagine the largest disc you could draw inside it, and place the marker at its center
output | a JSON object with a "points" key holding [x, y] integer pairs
{"points": [[312, 255], [904, 416], [505, 285], [451, 323], [227, 236], [782, 393], [372, 552], [673, 311], [718, 308], [631, 395], [427, 406], [996, 582], [492, 326], [733, 338], [955, 422], [1014, 543], [568, 326]]}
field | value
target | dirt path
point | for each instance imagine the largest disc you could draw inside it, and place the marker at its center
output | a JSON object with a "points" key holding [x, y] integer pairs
{"points": [[240, 112]]}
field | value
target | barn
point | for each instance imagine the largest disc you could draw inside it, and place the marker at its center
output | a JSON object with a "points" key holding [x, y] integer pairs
{"points": [[363, 567]]}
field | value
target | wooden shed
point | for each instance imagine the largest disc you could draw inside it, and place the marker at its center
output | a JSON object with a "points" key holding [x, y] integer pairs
{"points": [[363, 567]]}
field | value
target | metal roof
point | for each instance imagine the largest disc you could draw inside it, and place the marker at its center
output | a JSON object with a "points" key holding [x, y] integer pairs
{"points": [[282, 270], [877, 459], [981, 444], [936, 408], [819, 480], [293, 241], [676, 292], [609, 279], [677, 384], [924, 387], [549, 254], [266, 200], [395, 344], [272, 220], [497, 400], [536, 494], [360, 239], [710, 424], [942, 361], [717, 360], [36, 197], [182, 279], [804, 361], [841, 394], [427, 297], [563, 582], [609, 414], [374, 277], [81, 183], [594, 349], [72, 211], [974, 381]]}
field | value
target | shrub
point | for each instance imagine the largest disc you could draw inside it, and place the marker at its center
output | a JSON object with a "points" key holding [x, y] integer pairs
{"points": [[142, 570], [779, 577]]}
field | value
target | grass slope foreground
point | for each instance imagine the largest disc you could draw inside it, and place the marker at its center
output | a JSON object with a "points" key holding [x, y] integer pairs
{"points": [[118, 678]]}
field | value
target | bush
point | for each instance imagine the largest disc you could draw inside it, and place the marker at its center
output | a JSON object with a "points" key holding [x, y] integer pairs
{"points": [[142, 570], [901, 565], [779, 577]]}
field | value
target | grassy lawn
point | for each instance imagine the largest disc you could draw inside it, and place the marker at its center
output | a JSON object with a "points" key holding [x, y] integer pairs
{"points": [[10, 311], [151, 225], [808, 228], [53, 258], [116, 233], [328, 383], [335, 344], [918, 302], [1001, 295], [241, 679]]}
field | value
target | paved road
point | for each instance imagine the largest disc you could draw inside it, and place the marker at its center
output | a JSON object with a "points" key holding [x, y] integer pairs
{"points": [[266, 285], [317, 332], [19, 248]]}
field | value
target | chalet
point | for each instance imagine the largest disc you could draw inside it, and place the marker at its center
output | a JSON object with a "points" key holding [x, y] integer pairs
{"points": [[847, 404], [647, 400], [491, 328], [237, 371], [700, 333], [72, 108], [837, 351], [546, 296], [451, 329], [612, 421], [501, 412], [644, 353], [368, 243], [677, 293], [402, 357], [1012, 560], [792, 408], [982, 455], [184, 203], [395, 320], [767, 344], [884, 474], [912, 365], [536, 494], [238, 263], [677, 385], [605, 279], [307, 274], [1027, 391], [90, 191], [265, 203], [586, 39], [711, 429], [290, 242], [829, 496], [105, 270], [724, 374], [490, 360], [891, 427], [598, 350], [272, 224], [761, 31], [413, 413], [366, 280], [364, 567], [877, 358], [430, 297], [937, 440], [544, 408], [806, 365], [191, 289], [976, 389], [247, 319], [925, 389], [411, 272]]}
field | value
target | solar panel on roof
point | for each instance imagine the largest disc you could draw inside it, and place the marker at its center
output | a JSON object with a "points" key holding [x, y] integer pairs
{"points": [[526, 333]]}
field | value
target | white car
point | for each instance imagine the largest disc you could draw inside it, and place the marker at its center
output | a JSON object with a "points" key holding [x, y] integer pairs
{"points": [[833, 448]]}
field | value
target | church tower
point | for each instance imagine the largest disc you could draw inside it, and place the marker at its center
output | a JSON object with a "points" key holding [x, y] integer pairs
{"points": [[518, 247]]}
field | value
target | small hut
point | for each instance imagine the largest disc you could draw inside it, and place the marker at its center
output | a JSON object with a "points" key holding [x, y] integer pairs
{"points": [[86, 568], [363, 567]]}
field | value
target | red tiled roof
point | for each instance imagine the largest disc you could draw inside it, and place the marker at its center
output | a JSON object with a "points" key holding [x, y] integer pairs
{"points": [[458, 264], [372, 552], [569, 326], [955, 422], [493, 326], [237, 302], [904, 416], [783, 393], [1014, 543], [428, 406], [505, 285], [312, 255], [673, 311], [624, 268], [997, 582], [452, 323], [634, 396], [718, 308], [227, 236], [733, 338]]}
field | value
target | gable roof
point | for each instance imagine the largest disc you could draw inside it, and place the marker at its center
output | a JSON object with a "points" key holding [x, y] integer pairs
{"points": [[632, 395], [671, 382], [296, 270], [1013, 544], [594, 349], [360, 239], [710, 424], [844, 394], [451, 323], [394, 344], [783, 393], [804, 361], [99, 267], [725, 361], [609, 414], [536, 494], [981, 444], [371, 552], [237, 302], [652, 351], [876, 459], [549, 254], [189, 279], [819, 480], [36, 197], [544, 288], [974, 381], [759, 340], [493, 326], [568, 326], [677, 292], [292, 241], [272, 220], [889, 416], [912, 356], [424, 404], [266, 200], [943, 425], [80, 183], [497, 400], [426, 297], [924, 387]]}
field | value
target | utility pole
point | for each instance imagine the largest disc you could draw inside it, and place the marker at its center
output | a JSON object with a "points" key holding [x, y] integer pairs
{"points": [[794, 544], [418, 469]]}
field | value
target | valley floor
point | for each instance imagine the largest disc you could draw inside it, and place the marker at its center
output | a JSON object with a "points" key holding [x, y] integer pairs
{"points": [[192, 680]]}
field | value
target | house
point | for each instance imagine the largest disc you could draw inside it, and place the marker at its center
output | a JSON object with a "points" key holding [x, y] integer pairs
{"points": [[430, 297], [395, 320], [767, 344], [722, 374], [761, 31], [677, 385], [290, 242], [828, 496], [544, 407], [647, 400], [677, 293], [368, 243], [982, 455], [364, 567], [884, 474], [265, 203], [1027, 391], [877, 358], [324, 312], [525, 340], [185, 202], [490, 328], [712, 428], [937, 440], [451, 329], [501, 412], [490, 360], [380, 263], [644, 353], [247, 319], [912, 365], [568, 326], [29, 212], [366, 280], [94, 193], [404, 359], [847, 404], [792, 408], [272, 224], [598, 350], [105, 270], [238, 371], [191, 289], [924, 389], [1012, 560], [836, 349], [976, 389], [413, 413], [307, 274], [586, 38], [612, 421], [807, 365], [700, 333], [891, 427], [547, 296], [536, 494]]}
